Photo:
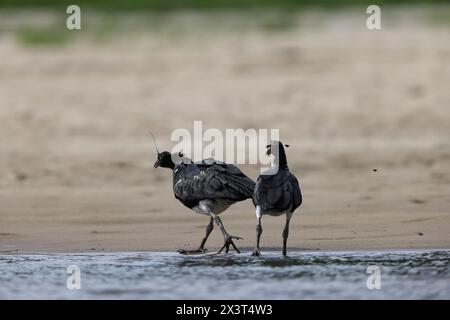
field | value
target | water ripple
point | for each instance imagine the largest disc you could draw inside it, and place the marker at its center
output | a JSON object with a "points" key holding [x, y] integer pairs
{"points": [[162, 275]]}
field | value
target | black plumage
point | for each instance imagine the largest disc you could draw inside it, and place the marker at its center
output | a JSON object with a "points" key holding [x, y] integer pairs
{"points": [[208, 188], [221, 183], [277, 192]]}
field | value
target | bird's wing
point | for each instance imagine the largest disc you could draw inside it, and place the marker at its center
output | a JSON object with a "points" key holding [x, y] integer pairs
{"points": [[234, 183], [297, 194], [195, 182], [279, 192]]}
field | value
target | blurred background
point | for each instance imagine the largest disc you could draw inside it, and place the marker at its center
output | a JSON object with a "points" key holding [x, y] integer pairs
{"points": [[366, 114]]}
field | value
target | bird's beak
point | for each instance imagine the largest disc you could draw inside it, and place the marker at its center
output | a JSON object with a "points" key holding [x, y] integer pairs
{"points": [[156, 165]]}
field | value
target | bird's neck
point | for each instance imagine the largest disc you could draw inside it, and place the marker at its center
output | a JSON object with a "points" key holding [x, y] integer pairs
{"points": [[279, 160]]}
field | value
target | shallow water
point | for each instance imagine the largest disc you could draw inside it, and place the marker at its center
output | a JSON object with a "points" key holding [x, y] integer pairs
{"points": [[162, 275]]}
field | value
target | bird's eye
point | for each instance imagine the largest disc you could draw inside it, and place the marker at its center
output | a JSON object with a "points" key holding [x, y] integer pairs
{"points": [[180, 154]]}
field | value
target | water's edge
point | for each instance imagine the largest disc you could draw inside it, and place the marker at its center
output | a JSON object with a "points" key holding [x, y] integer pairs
{"points": [[399, 274]]}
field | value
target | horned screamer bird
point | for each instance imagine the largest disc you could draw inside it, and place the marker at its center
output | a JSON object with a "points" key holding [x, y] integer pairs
{"points": [[208, 188], [276, 192]]}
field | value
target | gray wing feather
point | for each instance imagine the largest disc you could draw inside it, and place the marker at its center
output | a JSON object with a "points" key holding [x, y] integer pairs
{"points": [[195, 182]]}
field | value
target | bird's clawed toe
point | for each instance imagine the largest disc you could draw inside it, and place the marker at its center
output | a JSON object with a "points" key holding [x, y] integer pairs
{"points": [[196, 251], [228, 242], [256, 253]]}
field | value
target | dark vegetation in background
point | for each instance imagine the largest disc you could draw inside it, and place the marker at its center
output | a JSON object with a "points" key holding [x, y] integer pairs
{"points": [[281, 18], [158, 5]]}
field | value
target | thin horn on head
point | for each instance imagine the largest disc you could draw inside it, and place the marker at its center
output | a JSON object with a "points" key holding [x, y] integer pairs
{"points": [[154, 141]]}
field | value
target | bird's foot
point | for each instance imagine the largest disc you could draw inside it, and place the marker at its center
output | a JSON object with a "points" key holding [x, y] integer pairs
{"points": [[196, 251], [256, 252], [228, 242]]}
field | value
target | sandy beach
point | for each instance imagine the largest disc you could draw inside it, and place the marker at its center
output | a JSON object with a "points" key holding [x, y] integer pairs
{"points": [[366, 114]]}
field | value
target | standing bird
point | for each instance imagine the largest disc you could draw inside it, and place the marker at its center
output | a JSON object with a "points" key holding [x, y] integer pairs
{"points": [[276, 192], [208, 188]]}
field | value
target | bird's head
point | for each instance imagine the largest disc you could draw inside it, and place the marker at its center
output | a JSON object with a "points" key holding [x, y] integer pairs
{"points": [[164, 160], [275, 147]]}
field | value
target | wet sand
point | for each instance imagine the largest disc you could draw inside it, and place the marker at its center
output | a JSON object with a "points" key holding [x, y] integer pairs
{"points": [[77, 161]]}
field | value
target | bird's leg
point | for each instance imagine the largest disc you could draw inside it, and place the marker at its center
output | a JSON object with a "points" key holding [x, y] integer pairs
{"points": [[228, 240], [259, 230], [209, 229], [201, 248], [286, 232]]}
